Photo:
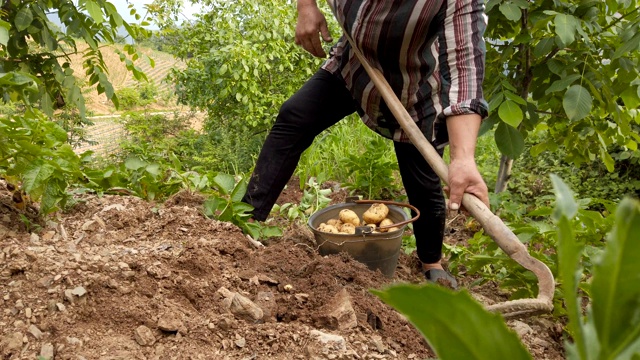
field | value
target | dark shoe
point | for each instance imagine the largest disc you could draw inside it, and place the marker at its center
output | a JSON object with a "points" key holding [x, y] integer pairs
{"points": [[441, 277]]}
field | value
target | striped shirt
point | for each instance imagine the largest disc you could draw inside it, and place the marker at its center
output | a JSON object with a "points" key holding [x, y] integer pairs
{"points": [[430, 51]]}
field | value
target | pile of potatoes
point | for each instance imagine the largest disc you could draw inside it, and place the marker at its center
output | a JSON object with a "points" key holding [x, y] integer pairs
{"points": [[374, 217]]}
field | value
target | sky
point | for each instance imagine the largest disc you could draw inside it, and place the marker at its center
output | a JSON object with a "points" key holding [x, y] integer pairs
{"points": [[122, 6]]}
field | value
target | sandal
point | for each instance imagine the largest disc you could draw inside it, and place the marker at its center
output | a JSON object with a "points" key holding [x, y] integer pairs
{"points": [[441, 277]]}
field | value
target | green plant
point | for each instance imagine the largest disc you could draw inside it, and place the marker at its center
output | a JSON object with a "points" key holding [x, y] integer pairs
{"points": [[227, 205], [314, 198], [568, 68], [36, 77], [482, 256], [457, 327], [373, 170]]}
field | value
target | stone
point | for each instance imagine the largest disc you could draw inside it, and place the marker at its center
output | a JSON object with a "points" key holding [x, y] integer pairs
{"points": [[245, 309], [61, 307], [379, 345], [48, 235], [37, 333], [11, 344], [47, 351], [79, 291], [241, 342], [118, 207], [68, 295], [27, 313], [520, 327], [336, 341], [339, 312], [170, 322], [157, 272], [73, 341], [144, 336], [90, 225], [34, 238]]}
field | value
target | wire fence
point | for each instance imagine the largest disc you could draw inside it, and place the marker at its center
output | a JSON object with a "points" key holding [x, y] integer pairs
{"points": [[105, 136]]}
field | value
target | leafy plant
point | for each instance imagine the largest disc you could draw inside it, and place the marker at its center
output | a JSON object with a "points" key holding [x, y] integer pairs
{"points": [[227, 205], [482, 256], [373, 169], [36, 76], [568, 68], [457, 327], [314, 198]]}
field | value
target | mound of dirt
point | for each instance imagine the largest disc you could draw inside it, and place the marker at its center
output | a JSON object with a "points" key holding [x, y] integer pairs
{"points": [[121, 278]]}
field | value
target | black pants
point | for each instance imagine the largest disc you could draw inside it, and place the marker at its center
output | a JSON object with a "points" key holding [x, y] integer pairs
{"points": [[321, 102]]}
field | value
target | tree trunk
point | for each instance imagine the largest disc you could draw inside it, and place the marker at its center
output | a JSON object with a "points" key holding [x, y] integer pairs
{"points": [[504, 173]]}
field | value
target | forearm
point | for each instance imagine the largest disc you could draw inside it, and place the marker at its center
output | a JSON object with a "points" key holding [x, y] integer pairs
{"points": [[306, 3], [463, 133]]}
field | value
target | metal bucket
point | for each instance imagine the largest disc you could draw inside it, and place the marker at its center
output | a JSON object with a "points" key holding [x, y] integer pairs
{"points": [[379, 251]]}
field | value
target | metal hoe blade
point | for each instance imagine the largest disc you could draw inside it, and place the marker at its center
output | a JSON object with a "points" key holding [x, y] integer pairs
{"points": [[493, 225]]}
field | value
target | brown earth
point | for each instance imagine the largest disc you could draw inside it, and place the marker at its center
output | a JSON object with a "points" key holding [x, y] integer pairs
{"points": [[121, 278]]}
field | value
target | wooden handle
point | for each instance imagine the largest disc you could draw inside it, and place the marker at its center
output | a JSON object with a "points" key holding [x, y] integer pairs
{"points": [[493, 225]]}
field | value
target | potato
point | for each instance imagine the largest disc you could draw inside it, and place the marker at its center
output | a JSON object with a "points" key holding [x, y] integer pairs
{"points": [[376, 213], [385, 222], [335, 222], [349, 216], [348, 228], [328, 228]]}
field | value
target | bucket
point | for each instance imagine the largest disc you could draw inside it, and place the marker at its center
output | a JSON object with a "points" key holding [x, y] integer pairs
{"points": [[378, 251]]}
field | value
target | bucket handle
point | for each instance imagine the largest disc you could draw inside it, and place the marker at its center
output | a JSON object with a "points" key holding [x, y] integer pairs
{"points": [[387, 202]]}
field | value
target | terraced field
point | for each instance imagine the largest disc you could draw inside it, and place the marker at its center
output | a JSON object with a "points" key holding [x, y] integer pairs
{"points": [[107, 131]]}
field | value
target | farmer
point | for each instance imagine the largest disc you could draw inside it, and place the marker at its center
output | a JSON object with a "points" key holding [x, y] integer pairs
{"points": [[432, 54]]}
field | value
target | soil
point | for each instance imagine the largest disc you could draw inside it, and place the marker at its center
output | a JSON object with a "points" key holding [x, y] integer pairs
{"points": [[120, 278]]}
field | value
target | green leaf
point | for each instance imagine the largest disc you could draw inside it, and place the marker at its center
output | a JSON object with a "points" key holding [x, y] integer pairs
{"points": [[225, 183], [631, 98], [95, 11], [515, 98], [569, 253], [510, 113], [577, 102], [615, 293], [239, 190], [4, 32], [565, 203], [510, 11], [455, 325], [565, 28], [35, 177], [544, 47], [562, 84], [153, 169], [509, 140], [23, 18], [134, 163], [627, 47]]}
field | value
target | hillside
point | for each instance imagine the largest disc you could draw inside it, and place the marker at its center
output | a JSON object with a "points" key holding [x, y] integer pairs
{"points": [[121, 78]]}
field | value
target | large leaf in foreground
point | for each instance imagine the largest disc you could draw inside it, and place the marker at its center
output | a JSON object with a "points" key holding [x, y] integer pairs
{"points": [[615, 289], [455, 325]]}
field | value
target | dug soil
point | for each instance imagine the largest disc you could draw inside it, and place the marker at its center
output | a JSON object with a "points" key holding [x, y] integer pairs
{"points": [[121, 278]]}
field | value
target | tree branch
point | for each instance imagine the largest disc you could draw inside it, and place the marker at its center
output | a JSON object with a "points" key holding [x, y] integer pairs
{"points": [[620, 19]]}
